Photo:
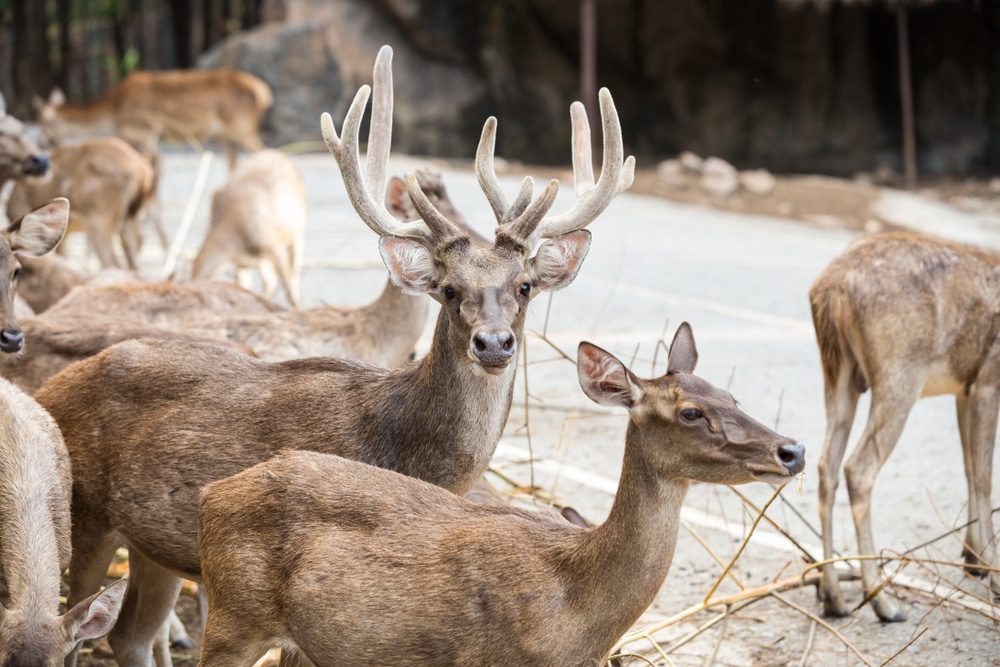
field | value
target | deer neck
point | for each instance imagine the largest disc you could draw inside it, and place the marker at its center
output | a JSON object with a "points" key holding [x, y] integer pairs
{"points": [[621, 582], [448, 414], [25, 498]]}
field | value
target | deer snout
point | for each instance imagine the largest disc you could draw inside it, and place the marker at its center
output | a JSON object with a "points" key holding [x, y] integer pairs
{"points": [[494, 348], [36, 165], [11, 340], [793, 457]]}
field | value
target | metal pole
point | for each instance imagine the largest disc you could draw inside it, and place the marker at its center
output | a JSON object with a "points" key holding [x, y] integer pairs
{"points": [[906, 98], [588, 59]]}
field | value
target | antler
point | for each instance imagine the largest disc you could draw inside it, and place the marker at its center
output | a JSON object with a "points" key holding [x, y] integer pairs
{"points": [[592, 198], [367, 192]]}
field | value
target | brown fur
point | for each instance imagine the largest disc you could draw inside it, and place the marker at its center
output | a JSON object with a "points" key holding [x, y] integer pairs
{"points": [[180, 105], [290, 559], [149, 423], [258, 221], [108, 184], [35, 541], [908, 316], [19, 156]]}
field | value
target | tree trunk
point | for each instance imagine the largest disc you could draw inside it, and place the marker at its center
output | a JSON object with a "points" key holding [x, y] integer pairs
{"points": [[183, 48], [30, 65]]}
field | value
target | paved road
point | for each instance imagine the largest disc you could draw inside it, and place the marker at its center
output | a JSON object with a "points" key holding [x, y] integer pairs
{"points": [[741, 281]]}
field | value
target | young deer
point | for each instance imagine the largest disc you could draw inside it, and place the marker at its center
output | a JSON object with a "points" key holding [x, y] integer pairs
{"points": [[109, 184], [19, 156], [148, 423], [290, 559], [258, 220], [180, 105], [906, 316], [35, 541], [33, 235]]}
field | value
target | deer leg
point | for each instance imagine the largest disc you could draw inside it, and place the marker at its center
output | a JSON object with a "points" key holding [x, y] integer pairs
{"points": [[100, 238], [230, 641], [131, 237], [296, 252], [841, 404], [281, 259], [93, 550], [151, 595], [268, 275], [178, 635], [889, 410], [978, 437], [245, 278]]}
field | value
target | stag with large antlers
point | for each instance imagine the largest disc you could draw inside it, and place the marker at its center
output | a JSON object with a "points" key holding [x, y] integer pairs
{"points": [[149, 423]]}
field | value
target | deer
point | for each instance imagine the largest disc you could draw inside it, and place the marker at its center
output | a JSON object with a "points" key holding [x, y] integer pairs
{"points": [[217, 412], [35, 487], [383, 332], [109, 183], [19, 156], [183, 105], [32, 235], [906, 316], [293, 561], [258, 220]]}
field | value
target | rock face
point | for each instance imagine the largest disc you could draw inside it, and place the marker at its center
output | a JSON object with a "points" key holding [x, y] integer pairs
{"points": [[315, 66], [808, 86]]}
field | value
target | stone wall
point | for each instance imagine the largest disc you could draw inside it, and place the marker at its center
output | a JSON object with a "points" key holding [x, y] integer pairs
{"points": [[787, 86]]}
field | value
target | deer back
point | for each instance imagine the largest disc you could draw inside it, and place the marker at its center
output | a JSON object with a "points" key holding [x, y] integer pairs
{"points": [[178, 104], [893, 300]]}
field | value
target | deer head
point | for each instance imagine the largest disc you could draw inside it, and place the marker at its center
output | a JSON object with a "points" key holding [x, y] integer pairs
{"points": [[35, 234], [484, 291], [19, 156]]}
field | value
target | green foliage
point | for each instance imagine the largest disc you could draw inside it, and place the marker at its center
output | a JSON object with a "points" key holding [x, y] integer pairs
{"points": [[117, 69]]}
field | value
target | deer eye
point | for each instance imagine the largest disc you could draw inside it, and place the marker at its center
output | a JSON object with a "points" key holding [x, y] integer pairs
{"points": [[525, 289], [449, 293], [17, 273], [691, 414]]}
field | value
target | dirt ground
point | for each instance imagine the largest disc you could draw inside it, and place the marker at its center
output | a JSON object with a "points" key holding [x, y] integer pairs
{"points": [[766, 634]]}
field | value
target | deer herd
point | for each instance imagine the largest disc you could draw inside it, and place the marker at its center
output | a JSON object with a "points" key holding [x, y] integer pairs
{"points": [[309, 472]]}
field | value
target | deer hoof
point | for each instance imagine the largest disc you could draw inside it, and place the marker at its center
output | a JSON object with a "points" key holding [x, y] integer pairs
{"points": [[972, 563], [887, 610]]}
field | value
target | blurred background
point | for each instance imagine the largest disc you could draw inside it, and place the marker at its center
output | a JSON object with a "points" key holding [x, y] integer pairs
{"points": [[821, 86]]}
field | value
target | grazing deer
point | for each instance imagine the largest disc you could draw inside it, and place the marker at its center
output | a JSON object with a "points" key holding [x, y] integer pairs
{"points": [[906, 316], [258, 220], [19, 156], [149, 423], [109, 184], [35, 541], [382, 332], [33, 235], [179, 105], [290, 559]]}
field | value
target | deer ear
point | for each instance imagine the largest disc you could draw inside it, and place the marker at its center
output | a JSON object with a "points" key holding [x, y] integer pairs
{"points": [[683, 355], [56, 97], [605, 379], [398, 200], [411, 266], [96, 615], [41, 230], [558, 260]]}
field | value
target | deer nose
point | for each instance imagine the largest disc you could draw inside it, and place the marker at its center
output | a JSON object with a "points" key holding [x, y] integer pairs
{"points": [[11, 341], [793, 457], [36, 165], [494, 348]]}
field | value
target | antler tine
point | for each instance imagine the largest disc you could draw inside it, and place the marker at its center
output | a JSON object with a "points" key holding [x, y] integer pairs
{"points": [[441, 227], [616, 174], [486, 170], [345, 150]]}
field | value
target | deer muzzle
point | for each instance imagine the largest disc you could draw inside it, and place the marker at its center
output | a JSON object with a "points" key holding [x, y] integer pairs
{"points": [[793, 457], [494, 349], [35, 165], [11, 340]]}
